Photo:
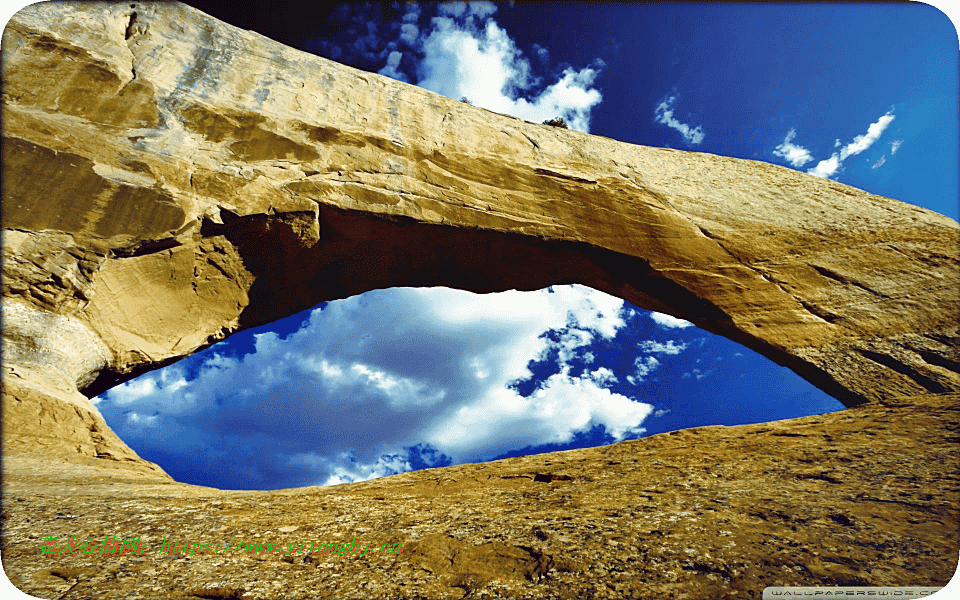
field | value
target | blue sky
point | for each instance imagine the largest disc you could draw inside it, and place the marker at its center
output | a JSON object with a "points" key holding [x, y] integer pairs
{"points": [[402, 379]]}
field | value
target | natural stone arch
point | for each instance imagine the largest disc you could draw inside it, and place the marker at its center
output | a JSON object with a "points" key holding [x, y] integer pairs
{"points": [[169, 180]]}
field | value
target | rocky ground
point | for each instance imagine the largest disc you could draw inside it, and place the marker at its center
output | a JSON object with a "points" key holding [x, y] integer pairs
{"points": [[865, 496]]}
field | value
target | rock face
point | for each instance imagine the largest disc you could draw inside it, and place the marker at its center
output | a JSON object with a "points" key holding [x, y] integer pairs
{"points": [[169, 180], [864, 496]]}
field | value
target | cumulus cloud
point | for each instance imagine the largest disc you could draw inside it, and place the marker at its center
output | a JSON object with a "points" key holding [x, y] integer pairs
{"points": [[562, 405], [880, 162], [664, 114], [829, 167], [382, 383], [165, 381], [894, 146], [668, 321], [603, 376], [485, 65], [796, 155], [460, 52]]}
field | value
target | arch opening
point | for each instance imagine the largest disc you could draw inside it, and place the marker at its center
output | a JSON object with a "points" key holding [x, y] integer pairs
{"points": [[292, 261], [403, 379]]}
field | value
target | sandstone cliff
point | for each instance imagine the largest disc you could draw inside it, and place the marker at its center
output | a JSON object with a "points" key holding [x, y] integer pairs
{"points": [[169, 180]]}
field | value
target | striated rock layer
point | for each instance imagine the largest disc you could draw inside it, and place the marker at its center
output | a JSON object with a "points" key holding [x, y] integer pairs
{"points": [[169, 180]]}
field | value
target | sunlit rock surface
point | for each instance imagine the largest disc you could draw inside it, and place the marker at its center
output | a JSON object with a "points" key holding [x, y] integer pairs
{"points": [[866, 496], [169, 180]]}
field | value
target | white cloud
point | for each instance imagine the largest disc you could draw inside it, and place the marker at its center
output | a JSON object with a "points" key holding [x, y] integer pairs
{"points": [[570, 342], [603, 376], [880, 162], [563, 405], [161, 382], [644, 366], [664, 114], [660, 412], [670, 347], [345, 472], [391, 70], [486, 66], [894, 146], [464, 53], [345, 469], [133, 417], [368, 378], [409, 34], [797, 156], [829, 167], [668, 321], [826, 167], [862, 142]]}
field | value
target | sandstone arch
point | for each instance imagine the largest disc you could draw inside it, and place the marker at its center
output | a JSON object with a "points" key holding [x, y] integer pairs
{"points": [[169, 180]]}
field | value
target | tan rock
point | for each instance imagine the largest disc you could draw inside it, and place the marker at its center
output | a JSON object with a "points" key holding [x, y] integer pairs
{"points": [[169, 180], [865, 496]]}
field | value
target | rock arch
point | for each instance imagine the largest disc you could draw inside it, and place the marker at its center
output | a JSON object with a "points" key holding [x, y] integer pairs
{"points": [[170, 179]]}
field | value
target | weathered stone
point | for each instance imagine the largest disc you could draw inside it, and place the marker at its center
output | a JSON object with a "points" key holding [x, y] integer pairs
{"points": [[239, 181], [865, 496], [169, 180]]}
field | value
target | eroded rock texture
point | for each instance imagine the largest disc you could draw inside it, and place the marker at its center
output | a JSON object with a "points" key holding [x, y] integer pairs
{"points": [[169, 180], [865, 496]]}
